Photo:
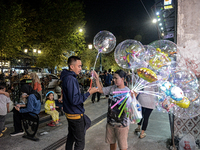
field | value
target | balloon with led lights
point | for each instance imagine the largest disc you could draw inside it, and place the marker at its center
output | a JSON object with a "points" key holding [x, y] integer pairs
{"points": [[129, 54], [104, 41]]}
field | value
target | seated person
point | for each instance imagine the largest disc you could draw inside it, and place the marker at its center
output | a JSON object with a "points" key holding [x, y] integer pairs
{"points": [[50, 108], [33, 105]]}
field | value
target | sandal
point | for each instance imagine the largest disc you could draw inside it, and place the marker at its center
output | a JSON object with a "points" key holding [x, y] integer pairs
{"points": [[137, 130], [59, 124], [142, 135], [51, 124], [1, 134], [4, 130]]}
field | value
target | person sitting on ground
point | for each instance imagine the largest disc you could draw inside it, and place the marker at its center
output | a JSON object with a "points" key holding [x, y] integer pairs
{"points": [[50, 108], [33, 105], [4, 108]]}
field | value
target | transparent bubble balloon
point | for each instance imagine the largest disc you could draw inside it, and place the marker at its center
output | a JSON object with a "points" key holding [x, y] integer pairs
{"points": [[129, 54], [104, 41], [188, 82], [169, 48], [184, 79]]}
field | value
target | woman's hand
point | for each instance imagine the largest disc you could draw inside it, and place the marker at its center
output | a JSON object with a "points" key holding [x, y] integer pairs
{"points": [[133, 93], [95, 75]]}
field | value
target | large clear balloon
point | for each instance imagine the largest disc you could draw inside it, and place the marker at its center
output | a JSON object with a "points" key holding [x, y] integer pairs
{"points": [[129, 54], [189, 106], [158, 62], [104, 41], [169, 48]]}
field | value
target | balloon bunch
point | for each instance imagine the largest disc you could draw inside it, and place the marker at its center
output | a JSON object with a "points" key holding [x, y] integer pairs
{"points": [[156, 64]]}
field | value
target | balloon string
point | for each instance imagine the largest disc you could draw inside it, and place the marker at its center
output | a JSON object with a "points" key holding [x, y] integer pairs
{"points": [[145, 86], [93, 70], [151, 93]]}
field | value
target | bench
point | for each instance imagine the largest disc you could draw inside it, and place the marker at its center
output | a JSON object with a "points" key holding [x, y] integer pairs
{"points": [[31, 123]]}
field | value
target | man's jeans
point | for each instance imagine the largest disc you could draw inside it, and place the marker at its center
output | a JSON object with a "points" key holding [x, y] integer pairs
{"points": [[76, 133]]}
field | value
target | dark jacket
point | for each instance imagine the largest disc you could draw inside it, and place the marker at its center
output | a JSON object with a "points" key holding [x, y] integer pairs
{"points": [[108, 79], [72, 97]]}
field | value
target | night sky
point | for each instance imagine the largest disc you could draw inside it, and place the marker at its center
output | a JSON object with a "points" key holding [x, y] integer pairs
{"points": [[126, 19]]}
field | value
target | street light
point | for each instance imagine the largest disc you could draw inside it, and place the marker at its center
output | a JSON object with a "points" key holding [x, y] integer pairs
{"points": [[154, 20], [80, 30], [90, 46], [34, 50], [26, 50], [39, 51]]}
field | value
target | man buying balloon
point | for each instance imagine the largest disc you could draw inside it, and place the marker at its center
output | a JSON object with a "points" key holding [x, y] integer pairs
{"points": [[73, 104]]}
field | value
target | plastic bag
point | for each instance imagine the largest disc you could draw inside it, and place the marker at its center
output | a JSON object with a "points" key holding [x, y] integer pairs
{"points": [[187, 143]]}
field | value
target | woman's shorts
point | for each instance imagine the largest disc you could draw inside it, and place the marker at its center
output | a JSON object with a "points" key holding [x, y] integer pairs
{"points": [[117, 134]]}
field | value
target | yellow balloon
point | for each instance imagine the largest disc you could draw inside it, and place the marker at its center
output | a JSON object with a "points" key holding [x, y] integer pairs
{"points": [[147, 74], [184, 103], [159, 60]]}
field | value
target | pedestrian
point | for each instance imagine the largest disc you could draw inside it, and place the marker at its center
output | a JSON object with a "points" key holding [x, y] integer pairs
{"points": [[33, 105], [148, 104], [97, 93], [107, 79], [116, 128], [73, 104], [50, 108], [4, 108], [36, 84]]}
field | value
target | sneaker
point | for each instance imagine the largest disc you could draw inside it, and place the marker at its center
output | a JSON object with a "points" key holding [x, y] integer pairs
{"points": [[17, 133], [4, 130], [1, 134]]}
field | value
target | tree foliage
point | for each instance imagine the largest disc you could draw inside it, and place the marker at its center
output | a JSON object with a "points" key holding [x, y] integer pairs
{"points": [[12, 28], [57, 30]]}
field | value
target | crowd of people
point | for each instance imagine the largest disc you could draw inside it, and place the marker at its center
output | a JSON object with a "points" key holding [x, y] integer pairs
{"points": [[76, 88]]}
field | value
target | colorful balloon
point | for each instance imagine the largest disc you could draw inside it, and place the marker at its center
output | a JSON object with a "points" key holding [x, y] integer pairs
{"points": [[147, 74], [129, 54], [168, 48]]}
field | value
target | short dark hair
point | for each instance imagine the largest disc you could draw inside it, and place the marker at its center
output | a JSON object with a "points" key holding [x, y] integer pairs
{"points": [[72, 59], [121, 73], [2, 85]]}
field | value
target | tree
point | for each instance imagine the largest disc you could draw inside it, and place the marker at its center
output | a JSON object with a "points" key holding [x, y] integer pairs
{"points": [[12, 30], [58, 25]]}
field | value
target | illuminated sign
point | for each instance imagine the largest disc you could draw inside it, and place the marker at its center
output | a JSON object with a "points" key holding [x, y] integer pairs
{"points": [[168, 7], [167, 2]]}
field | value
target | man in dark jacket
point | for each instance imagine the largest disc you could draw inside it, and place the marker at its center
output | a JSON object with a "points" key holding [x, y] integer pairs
{"points": [[73, 104]]}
